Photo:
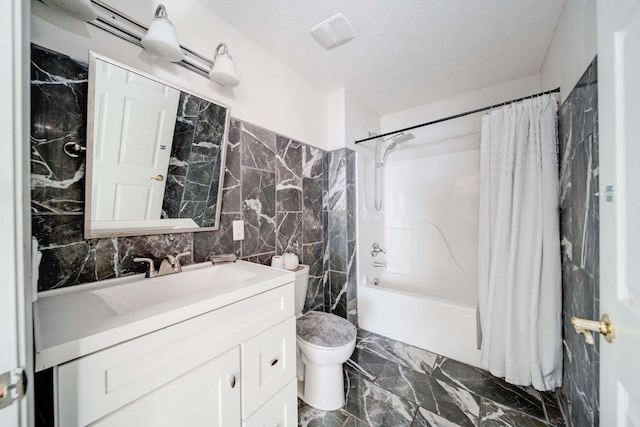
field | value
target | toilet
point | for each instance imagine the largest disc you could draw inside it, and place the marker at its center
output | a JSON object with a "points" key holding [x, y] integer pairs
{"points": [[324, 342]]}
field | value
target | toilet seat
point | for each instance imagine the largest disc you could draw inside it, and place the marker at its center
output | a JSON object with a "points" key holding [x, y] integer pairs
{"points": [[325, 331]]}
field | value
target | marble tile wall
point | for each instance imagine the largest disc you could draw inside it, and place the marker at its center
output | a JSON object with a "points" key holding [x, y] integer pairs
{"points": [[275, 184], [578, 130], [194, 165], [339, 217]]}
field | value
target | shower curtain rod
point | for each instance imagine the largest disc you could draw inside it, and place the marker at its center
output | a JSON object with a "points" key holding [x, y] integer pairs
{"points": [[457, 116]]}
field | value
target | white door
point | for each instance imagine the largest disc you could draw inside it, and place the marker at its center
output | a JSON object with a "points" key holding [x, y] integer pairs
{"points": [[134, 123], [15, 313], [619, 127]]}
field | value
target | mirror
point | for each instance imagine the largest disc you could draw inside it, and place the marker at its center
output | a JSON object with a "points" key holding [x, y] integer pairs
{"points": [[155, 154]]}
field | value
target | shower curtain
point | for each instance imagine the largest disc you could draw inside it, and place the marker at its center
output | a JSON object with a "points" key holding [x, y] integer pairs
{"points": [[519, 244]]}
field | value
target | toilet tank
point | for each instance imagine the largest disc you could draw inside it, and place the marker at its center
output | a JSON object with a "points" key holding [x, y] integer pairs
{"points": [[302, 280]]}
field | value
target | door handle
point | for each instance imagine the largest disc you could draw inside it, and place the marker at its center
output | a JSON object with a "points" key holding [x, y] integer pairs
{"points": [[604, 326], [158, 177]]}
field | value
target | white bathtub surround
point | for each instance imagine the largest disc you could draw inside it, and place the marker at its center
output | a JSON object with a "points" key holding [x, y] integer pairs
{"points": [[519, 244]]}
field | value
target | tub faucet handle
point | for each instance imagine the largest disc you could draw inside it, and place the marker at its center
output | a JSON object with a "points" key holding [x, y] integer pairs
{"points": [[376, 249]]}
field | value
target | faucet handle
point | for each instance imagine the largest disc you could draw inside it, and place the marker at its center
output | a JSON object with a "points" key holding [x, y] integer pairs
{"points": [[151, 272], [176, 261], [183, 254], [376, 249]]}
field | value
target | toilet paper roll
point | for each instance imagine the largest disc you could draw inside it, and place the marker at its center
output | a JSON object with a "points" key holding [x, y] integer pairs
{"points": [[290, 261], [277, 261]]}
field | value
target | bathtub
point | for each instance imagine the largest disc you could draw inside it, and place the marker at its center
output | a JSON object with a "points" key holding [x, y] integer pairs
{"points": [[442, 326]]}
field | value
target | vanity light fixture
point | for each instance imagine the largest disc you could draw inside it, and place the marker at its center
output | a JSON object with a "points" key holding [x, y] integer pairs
{"points": [[223, 70], [161, 39]]}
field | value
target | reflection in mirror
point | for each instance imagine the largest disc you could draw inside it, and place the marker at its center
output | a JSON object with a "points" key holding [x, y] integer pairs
{"points": [[155, 154]]}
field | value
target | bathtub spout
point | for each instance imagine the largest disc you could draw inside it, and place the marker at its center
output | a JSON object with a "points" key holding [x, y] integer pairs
{"points": [[379, 264]]}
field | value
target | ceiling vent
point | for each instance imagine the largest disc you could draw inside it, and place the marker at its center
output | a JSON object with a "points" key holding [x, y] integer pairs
{"points": [[333, 32]]}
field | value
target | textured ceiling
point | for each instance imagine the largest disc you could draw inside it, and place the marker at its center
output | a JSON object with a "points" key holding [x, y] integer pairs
{"points": [[406, 53]]}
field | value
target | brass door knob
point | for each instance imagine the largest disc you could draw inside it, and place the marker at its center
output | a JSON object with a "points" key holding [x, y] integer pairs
{"points": [[604, 326], [158, 177]]}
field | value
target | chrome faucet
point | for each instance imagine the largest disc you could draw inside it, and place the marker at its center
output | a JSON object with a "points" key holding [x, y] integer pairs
{"points": [[169, 265], [376, 249], [379, 264]]}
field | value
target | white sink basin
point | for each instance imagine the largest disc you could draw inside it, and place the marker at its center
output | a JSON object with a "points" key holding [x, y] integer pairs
{"points": [[76, 321], [146, 292]]}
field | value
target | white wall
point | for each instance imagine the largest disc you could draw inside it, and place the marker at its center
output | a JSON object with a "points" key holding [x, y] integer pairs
{"points": [[572, 48], [349, 119], [270, 93]]}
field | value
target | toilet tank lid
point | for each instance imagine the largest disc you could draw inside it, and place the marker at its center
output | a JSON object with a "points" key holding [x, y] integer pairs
{"points": [[325, 329]]}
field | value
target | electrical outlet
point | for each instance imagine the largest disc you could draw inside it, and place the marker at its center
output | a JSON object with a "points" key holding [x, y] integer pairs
{"points": [[238, 230]]}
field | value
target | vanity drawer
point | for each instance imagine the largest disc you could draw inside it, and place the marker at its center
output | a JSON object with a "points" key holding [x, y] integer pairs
{"points": [[98, 384], [268, 364], [280, 411]]}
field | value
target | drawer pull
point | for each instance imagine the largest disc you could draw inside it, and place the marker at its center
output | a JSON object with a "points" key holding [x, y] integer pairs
{"points": [[274, 362], [232, 381]]}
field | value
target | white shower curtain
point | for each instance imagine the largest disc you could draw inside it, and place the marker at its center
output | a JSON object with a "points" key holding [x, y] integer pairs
{"points": [[519, 244]]}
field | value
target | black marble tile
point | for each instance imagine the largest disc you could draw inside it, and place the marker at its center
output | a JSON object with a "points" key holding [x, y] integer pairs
{"points": [[454, 404], [352, 283], [220, 241], [312, 210], [482, 383], [325, 180], [366, 363], [312, 417], [58, 108], [337, 241], [258, 147], [173, 194], [338, 287], [258, 209], [337, 181], [68, 259], [312, 256], [552, 409], [232, 193], [288, 175], [494, 415], [351, 198], [375, 405], [578, 125], [289, 233], [312, 163], [403, 354]]}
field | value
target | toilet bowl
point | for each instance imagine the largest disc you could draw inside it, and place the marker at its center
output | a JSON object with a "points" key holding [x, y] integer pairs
{"points": [[324, 342]]}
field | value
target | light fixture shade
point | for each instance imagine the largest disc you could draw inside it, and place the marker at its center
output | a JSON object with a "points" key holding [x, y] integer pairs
{"points": [[223, 71], [161, 39], [79, 9]]}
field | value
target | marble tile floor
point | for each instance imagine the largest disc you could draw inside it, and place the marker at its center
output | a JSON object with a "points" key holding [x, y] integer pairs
{"points": [[389, 383]]}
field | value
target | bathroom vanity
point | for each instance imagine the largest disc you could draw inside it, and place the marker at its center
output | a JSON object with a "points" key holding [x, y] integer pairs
{"points": [[210, 346]]}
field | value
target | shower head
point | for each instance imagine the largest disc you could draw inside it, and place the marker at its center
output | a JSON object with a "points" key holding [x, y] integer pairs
{"points": [[400, 137], [393, 144]]}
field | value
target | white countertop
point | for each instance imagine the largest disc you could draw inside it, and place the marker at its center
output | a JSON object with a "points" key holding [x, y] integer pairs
{"points": [[76, 321]]}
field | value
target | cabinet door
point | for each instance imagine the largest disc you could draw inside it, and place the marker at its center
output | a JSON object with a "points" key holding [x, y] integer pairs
{"points": [[280, 411], [206, 396], [268, 364]]}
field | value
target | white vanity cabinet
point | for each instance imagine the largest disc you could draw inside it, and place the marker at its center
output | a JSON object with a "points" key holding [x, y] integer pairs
{"points": [[232, 366]]}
